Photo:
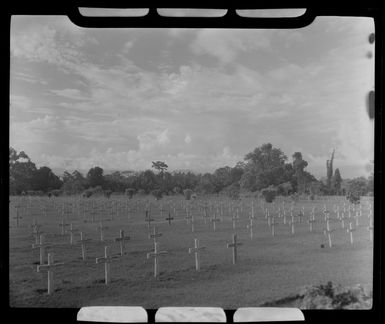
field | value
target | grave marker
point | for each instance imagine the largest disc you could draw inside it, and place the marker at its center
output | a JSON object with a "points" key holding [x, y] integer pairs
{"points": [[49, 268], [214, 221], [41, 246], [101, 228], [63, 225], [273, 223], [234, 219], [155, 255], [154, 235], [370, 229], [17, 217], [292, 224], [106, 260], [72, 231], [350, 230], [234, 245], [148, 219], [169, 218], [311, 221], [121, 239], [328, 232], [82, 242], [250, 226], [196, 250]]}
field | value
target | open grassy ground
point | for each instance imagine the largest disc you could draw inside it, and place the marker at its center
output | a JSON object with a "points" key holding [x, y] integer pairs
{"points": [[268, 268]]}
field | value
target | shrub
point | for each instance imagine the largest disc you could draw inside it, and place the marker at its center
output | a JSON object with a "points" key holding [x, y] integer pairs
{"points": [[157, 193], [107, 193], [187, 193], [269, 194], [233, 191], [330, 296], [295, 197], [130, 192], [141, 192], [177, 190], [55, 192], [353, 197], [87, 194]]}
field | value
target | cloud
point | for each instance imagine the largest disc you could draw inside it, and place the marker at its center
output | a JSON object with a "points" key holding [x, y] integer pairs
{"points": [[71, 94], [187, 139], [234, 91], [225, 45]]}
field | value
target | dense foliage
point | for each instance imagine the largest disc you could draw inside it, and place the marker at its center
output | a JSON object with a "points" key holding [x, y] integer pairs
{"points": [[266, 170]]}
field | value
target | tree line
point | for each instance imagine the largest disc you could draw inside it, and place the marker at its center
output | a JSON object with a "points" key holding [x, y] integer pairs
{"points": [[265, 169]]}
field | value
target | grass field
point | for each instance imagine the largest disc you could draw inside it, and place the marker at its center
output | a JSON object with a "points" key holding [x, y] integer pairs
{"points": [[268, 268]]}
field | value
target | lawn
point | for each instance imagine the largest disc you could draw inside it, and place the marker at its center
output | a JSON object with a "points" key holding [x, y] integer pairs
{"points": [[268, 267]]}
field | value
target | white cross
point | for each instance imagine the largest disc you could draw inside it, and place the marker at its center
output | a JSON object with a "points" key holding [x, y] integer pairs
{"points": [[83, 241], [154, 235], [214, 221], [273, 223], [41, 246], [121, 239], [251, 227], [148, 219], [370, 229], [17, 217], [72, 231], [327, 232], [49, 268], [155, 255], [234, 245], [63, 226], [106, 260], [101, 227], [350, 230], [196, 250]]}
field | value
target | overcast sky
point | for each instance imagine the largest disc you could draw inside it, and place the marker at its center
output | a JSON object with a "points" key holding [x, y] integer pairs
{"points": [[196, 99]]}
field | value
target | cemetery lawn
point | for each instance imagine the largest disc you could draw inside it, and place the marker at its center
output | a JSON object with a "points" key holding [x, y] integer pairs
{"points": [[268, 268]]}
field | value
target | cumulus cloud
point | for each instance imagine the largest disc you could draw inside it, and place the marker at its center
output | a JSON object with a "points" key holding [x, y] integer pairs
{"points": [[224, 93], [226, 44]]}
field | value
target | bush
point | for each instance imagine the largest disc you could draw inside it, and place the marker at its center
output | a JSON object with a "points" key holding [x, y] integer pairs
{"points": [[55, 192], [330, 296], [107, 193], [88, 193], [233, 191], [269, 194], [354, 198], [177, 190], [157, 193], [129, 192], [141, 192], [188, 193], [295, 197]]}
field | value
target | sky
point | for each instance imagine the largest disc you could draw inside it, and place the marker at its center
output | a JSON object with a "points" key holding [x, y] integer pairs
{"points": [[197, 99]]}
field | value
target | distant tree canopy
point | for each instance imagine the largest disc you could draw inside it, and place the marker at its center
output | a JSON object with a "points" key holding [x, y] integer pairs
{"points": [[266, 167], [24, 176], [95, 177]]}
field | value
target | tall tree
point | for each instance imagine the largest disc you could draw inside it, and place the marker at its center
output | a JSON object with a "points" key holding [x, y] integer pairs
{"points": [[299, 165], [44, 179], [329, 172], [21, 171], [266, 157], [336, 182], [159, 166], [265, 166], [95, 177]]}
